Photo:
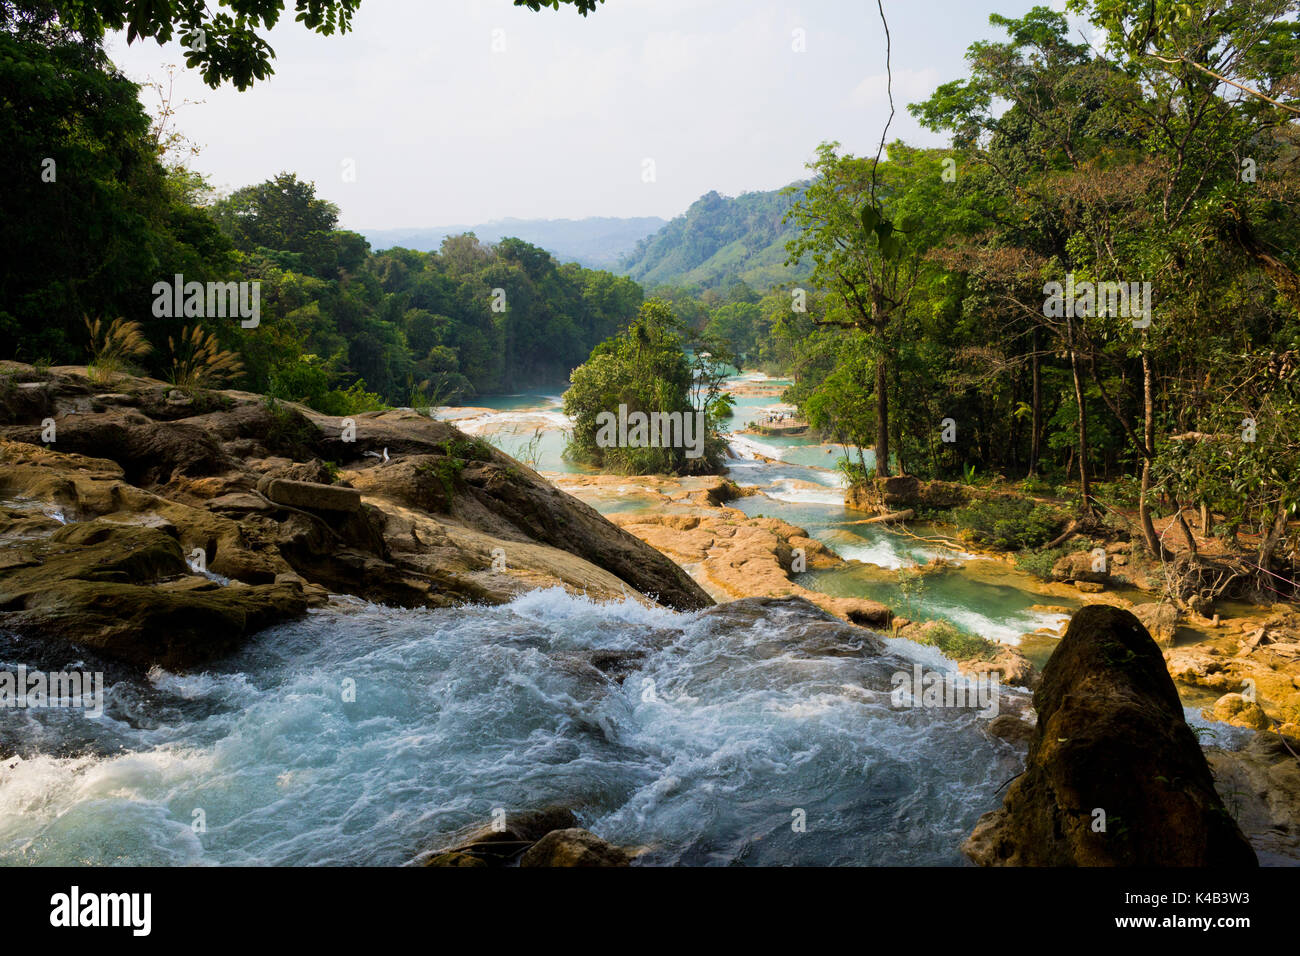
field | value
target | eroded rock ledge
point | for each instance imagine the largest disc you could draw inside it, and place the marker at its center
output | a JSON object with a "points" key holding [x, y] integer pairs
{"points": [[164, 528], [736, 557]]}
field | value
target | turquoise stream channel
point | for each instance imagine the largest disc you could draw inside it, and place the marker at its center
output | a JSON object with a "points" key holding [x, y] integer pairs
{"points": [[799, 484], [365, 735]]}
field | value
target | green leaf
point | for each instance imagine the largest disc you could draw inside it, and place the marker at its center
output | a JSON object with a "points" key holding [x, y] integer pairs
{"points": [[870, 218]]}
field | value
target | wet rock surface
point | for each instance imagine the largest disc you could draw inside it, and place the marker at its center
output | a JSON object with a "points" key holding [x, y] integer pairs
{"points": [[126, 591], [736, 557], [549, 837], [119, 533], [1260, 786], [573, 847]]}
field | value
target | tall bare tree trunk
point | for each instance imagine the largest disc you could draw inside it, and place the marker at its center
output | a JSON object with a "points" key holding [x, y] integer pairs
{"points": [[1085, 487], [1037, 401], [882, 417], [1153, 542], [1274, 537], [1188, 538]]}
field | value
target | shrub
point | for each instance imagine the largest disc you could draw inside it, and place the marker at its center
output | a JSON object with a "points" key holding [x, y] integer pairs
{"points": [[1123, 492], [351, 400], [912, 585], [448, 467], [1040, 563], [955, 643], [1037, 486], [856, 473], [1008, 524], [288, 432], [307, 379]]}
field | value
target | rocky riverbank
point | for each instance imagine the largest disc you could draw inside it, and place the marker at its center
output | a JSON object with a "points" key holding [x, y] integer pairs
{"points": [[157, 526], [734, 556], [1241, 662]]}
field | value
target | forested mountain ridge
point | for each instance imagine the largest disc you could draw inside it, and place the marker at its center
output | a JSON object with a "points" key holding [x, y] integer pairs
{"points": [[720, 239], [107, 213], [329, 323], [596, 241]]}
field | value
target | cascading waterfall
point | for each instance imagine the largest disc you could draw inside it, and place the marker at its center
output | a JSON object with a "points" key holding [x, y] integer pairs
{"points": [[366, 735], [716, 736]]}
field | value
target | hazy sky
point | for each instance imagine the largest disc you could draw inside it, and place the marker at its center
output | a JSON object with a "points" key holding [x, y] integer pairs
{"points": [[444, 129]]}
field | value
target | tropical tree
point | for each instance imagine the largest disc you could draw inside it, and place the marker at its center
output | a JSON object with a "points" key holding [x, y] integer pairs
{"points": [[656, 367]]}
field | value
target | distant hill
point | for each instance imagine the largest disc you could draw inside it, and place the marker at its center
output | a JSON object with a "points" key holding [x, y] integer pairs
{"points": [[719, 239], [598, 242]]}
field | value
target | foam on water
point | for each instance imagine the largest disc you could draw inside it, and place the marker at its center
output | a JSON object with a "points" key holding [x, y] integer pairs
{"points": [[746, 447], [786, 490], [701, 753], [882, 552], [887, 550], [1006, 628]]}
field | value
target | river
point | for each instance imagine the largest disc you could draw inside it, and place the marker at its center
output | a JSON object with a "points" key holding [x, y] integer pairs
{"points": [[800, 485], [361, 734]]}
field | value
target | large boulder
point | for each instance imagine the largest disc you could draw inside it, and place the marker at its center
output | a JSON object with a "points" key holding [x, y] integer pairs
{"points": [[1114, 775], [1078, 566], [574, 847], [1238, 710], [1009, 663], [127, 592], [900, 492], [1160, 619], [148, 452], [482, 489], [501, 842], [249, 489], [310, 495], [739, 557], [1011, 727], [796, 626]]}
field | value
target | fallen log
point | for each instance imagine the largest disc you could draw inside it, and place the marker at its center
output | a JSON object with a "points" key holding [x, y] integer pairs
{"points": [[907, 514]]}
